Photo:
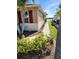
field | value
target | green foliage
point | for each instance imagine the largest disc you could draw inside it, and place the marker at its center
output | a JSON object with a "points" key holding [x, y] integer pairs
{"points": [[21, 2], [40, 42], [53, 30], [24, 45], [58, 13]]}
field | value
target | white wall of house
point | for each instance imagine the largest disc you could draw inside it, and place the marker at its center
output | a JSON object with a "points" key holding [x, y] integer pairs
{"points": [[30, 26]]}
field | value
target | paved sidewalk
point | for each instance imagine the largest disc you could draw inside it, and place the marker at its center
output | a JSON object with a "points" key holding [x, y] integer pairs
{"points": [[52, 54]]}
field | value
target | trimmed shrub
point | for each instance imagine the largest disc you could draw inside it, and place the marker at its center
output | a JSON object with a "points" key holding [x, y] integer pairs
{"points": [[24, 45]]}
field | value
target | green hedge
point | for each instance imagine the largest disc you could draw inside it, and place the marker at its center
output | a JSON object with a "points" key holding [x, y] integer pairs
{"points": [[24, 45], [53, 30]]}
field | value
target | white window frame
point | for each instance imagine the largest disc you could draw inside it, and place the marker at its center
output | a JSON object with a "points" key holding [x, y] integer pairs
{"points": [[26, 16]]}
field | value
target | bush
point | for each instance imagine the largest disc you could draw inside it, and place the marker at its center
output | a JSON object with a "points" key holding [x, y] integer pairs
{"points": [[40, 42], [24, 45], [53, 30]]}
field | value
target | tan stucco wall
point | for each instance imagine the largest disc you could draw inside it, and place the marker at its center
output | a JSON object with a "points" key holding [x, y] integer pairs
{"points": [[40, 20], [38, 17], [34, 10]]}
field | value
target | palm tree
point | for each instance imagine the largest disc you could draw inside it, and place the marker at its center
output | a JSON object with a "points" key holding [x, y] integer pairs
{"points": [[21, 2], [58, 13]]}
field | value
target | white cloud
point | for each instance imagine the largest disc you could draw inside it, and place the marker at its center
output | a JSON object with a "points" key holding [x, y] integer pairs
{"points": [[50, 12], [51, 8], [52, 5]]}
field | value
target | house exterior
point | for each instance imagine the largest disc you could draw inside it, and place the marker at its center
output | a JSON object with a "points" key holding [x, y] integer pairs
{"points": [[56, 19], [31, 18]]}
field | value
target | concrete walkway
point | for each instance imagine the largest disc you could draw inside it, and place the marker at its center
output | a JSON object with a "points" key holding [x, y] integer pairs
{"points": [[46, 30], [52, 54]]}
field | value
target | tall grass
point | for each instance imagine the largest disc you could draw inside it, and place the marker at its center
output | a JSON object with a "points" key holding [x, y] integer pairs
{"points": [[53, 30]]}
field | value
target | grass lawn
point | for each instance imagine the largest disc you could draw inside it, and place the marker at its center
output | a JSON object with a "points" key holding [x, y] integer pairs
{"points": [[53, 30]]}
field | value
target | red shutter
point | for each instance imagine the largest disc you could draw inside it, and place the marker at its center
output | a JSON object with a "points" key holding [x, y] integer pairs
{"points": [[30, 16], [19, 16]]}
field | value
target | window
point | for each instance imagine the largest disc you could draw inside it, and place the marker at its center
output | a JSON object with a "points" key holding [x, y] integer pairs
{"points": [[26, 13], [26, 20]]}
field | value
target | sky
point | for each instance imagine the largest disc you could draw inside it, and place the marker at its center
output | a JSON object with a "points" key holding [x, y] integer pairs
{"points": [[49, 6]]}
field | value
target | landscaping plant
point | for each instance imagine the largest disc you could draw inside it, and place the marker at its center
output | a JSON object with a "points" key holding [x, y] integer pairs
{"points": [[53, 31], [40, 42], [24, 45]]}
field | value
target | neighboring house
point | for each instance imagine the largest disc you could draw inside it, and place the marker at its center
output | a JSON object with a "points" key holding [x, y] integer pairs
{"points": [[31, 18], [56, 19]]}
